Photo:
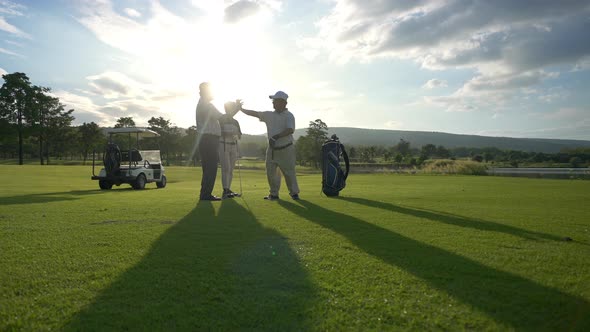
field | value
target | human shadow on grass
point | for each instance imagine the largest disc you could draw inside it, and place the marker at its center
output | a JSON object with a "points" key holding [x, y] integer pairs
{"points": [[505, 297], [207, 272], [478, 224], [46, 197]]}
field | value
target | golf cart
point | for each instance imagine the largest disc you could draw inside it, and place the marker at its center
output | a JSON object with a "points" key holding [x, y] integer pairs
{"points": [[134, 166]]}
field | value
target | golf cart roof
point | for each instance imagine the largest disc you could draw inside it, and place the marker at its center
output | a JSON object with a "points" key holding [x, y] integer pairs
{"points": [[133, 130]]}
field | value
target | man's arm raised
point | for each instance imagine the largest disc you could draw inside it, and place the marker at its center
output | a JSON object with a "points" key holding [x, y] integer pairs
{"points": [[250, 112]]}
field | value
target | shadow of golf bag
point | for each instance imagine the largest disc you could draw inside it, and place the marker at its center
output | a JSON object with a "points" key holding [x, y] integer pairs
{"points": [[333, 177]]}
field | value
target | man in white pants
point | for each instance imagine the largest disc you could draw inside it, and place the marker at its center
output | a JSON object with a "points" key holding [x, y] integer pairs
{"points": [[228, 147], [280, 154]]}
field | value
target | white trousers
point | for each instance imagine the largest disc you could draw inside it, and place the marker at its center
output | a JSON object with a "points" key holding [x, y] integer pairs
{"points": [[228, 155], [283, 160]]}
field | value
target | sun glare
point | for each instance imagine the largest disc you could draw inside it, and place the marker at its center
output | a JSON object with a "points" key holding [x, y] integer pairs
{"points": [[176, 55]]}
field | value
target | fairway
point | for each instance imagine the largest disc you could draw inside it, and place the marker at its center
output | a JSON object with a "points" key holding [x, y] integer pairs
{"points": [[395, 252]]}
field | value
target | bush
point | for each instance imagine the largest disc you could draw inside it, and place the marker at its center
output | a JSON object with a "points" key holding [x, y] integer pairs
{"points": [[449, 166]]}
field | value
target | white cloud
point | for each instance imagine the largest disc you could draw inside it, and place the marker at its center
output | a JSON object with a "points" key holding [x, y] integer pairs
{"points": [[5, 26], [506, 81], [114, 85], [435, 83], [489, 91], [139, 107], [240, 9], [132, 12], [509, 45], [12, 42], [517, 35], [85, 110], [5, 51], [165, 59], [3, 72], [11, 9]]}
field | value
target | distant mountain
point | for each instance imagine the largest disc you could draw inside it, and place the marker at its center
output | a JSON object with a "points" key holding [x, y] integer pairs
{"points": [[382, 137], [368, 137]]}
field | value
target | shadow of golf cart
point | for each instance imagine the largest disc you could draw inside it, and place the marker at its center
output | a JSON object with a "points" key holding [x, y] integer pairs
{"points": [[133, 166]]}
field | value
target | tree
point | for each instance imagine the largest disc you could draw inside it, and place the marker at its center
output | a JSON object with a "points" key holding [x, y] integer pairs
{"points": [[59, 132], [403, 147], [169, 136], [318, 134], [15, 99], [46, 111], [90, 137], [124, 122], [428, 151], [309, 147], [372, 151], [303, 149], [188, 144], [442, 152], [159, 124]]}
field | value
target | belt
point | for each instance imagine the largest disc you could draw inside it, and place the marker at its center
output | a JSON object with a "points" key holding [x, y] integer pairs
{"points": [[282, 147], [272, 152], [227, 143]]}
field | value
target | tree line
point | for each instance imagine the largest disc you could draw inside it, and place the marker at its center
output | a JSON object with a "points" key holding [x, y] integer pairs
{"points": [[401, 153], [34, 124]]}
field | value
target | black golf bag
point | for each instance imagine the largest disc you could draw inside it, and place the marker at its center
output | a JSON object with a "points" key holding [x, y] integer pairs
{"points": [[333, 177]]}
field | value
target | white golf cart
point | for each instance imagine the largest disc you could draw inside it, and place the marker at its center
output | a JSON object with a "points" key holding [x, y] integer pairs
{"points": [[134, 166]]}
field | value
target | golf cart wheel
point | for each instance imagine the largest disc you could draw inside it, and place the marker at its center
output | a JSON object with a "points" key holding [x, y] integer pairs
{"points": [[104, 184], [162, 183], [139, 182]]}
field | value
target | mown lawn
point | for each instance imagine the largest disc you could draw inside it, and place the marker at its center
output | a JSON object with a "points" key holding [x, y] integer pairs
{"points": [[395, 252]]}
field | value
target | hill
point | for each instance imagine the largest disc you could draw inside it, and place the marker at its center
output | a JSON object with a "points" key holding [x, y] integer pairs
{"points": [[368, 137], [383, 137]]}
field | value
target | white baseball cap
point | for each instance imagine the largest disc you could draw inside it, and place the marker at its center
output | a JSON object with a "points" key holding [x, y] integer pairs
{"points": [[279, 95]]}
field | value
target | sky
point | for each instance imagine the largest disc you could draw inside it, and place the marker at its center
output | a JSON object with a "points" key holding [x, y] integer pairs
{"points": [[492, 68]]}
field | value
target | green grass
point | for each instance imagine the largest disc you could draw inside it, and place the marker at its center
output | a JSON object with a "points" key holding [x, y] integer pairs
{"points": [[395, 252]]}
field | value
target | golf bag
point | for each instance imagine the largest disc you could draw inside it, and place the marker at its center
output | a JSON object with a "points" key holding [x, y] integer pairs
{"points": [[112, 159], [333, 177]]}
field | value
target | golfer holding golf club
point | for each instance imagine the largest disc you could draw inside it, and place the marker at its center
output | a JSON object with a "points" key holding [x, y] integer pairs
{"points": [[280, 154], [228, 146]]}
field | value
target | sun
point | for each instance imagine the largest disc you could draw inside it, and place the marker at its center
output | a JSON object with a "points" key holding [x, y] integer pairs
{"points": [[235, 58], [243, 63]]}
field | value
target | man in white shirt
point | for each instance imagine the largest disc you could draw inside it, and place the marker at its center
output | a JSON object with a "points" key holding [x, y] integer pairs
{"points": [[280, 154]]}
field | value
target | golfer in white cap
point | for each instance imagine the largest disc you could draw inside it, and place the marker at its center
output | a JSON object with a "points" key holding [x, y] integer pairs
{"points": [[280, 154]]}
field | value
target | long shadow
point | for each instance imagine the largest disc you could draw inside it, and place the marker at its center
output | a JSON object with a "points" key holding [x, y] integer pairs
{"points": [[46, 197], [482, 225], [505, 297], [60, 196], [207, 272]]}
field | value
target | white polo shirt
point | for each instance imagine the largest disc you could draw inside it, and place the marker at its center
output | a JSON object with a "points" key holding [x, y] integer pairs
{"points": [[276, 123]]}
